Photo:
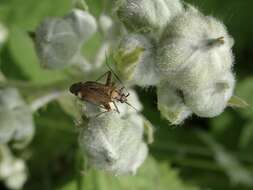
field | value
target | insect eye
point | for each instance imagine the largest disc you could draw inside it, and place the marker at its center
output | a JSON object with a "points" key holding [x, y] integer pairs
{"points": [[74, 88]]}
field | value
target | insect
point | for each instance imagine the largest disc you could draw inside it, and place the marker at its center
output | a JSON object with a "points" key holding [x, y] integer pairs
{"points": [[101, 94]]}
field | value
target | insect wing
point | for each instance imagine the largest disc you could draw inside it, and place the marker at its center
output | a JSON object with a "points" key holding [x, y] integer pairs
{"points": [[94, 92]]}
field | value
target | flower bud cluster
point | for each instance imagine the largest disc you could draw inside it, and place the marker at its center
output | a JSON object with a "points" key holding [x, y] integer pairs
{"points": [[12, 170], [113, 141], [16, 122], [188, 57], [58, 40]]}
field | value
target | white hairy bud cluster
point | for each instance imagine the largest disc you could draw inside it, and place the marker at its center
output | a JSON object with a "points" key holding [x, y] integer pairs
{"points": [[12, 170], [112, 141], [188, 57], [16, 121], [136, 52], [195, 56], [58, 40]]}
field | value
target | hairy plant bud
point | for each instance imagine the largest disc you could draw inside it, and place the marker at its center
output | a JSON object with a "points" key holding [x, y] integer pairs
{"points": [[58, 40], [194, 50], [12, 170], [56, 43], [195, 56], [148, 15], [212, 100], [135, 60], [112, 141], [105, 23], [16, 122], [83, 23], [171, 104]]}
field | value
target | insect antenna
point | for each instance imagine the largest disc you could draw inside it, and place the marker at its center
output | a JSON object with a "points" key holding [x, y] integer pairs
{"points": [[116, 76], [132, 106]]}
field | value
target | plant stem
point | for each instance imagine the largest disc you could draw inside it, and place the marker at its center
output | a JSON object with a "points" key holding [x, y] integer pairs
{"points": [[41, 101]]}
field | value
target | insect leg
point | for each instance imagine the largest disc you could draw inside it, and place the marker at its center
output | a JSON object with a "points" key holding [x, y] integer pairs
{"points": [[109, 79], [101, 113], [115, 105], [100, 106], [106, 73], [107, 107]]}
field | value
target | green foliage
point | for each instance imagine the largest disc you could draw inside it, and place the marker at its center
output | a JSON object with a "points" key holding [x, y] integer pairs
{"points": [[53, 156], [152, 175]]}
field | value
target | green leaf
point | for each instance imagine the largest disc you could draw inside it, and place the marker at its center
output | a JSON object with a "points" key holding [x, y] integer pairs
{"points": [[152, 175], [237, 173], [81, 4], [126, 62], [236, 101]]}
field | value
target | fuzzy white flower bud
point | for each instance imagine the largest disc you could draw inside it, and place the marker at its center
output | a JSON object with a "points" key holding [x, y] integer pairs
{"points": [[196, 58], [135, 60], [148, 15], [112, 141], [194, 50], [16, 122], [105, 23], [12, 170], [83, 23], [58, 40], [56, 43], [212, 100], [171, 104]]}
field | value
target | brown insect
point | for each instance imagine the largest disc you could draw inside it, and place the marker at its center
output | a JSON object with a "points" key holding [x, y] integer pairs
{"points": [[101, 94]]}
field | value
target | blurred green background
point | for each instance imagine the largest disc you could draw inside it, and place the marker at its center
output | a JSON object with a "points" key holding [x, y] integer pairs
{"points": [[200, 154]]}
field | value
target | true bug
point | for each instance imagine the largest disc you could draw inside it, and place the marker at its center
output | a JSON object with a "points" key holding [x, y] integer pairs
{"points": [[101, 94]]}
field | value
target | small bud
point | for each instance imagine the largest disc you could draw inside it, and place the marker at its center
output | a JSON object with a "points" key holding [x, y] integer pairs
{"points": [[212, 100], [56, 43], [58, 40], [105, 23], [171, 104], [83, 23], [12, 170], [148, 15], [16, 122], [135, 61]]}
